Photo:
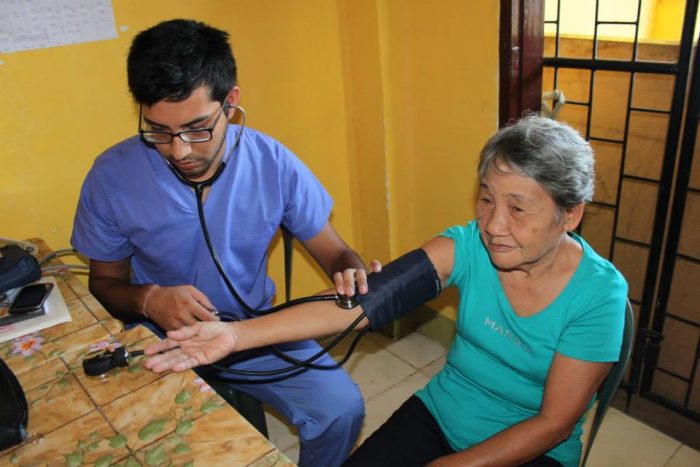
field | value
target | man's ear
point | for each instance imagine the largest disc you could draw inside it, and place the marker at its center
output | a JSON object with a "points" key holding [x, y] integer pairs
{"points": [[232, 100]]}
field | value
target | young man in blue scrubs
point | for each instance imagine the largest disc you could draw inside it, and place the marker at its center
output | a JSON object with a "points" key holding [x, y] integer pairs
{"points": [[137, 220]]}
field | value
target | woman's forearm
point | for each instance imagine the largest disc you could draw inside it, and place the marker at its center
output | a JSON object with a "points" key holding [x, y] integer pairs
{"points": [[307, 321], [513, 446], [403, 285]]}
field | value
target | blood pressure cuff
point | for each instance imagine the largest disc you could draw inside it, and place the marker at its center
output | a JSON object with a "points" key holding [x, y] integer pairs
{"points": [[14, 411], [17, 267], [403, 285]]}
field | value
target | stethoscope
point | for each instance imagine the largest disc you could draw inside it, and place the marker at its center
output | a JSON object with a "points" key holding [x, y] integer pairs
{"points": [[250, 312]]}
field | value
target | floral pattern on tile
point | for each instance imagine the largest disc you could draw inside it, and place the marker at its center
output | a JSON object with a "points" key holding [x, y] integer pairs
{"points": [[161, 419]]}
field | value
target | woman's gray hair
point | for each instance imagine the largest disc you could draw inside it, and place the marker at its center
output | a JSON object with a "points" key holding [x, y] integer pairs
{"points": [[551, 153]]}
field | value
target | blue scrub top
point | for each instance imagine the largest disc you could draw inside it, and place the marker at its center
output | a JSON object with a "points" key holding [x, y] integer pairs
{"points": [[132, 206]]}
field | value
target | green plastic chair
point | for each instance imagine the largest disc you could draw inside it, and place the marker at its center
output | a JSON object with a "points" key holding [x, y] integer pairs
{"points": [[607, 390]]}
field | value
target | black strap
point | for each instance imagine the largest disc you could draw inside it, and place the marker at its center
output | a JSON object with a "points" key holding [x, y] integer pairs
{"points": [[287, 240]]}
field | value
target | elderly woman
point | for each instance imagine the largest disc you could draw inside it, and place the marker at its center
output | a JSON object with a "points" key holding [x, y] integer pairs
{"points": [[540, 318]]}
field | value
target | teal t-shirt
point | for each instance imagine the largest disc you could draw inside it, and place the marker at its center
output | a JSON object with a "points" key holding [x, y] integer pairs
{"points": [[497, 366]]}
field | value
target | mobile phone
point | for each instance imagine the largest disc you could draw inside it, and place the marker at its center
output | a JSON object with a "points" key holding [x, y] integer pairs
{"points": [[31, 298], [29, 303]]}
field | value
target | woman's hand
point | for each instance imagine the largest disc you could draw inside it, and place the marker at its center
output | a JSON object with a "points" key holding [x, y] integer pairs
{"points": [[200, 344]]}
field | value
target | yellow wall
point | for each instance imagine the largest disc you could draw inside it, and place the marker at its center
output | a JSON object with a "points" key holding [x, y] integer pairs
{"points": [[387, 101], [668, 21], [441, 70]]}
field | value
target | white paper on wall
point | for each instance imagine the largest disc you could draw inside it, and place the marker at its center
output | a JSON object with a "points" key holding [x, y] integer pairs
{"points": [[36, 24]]}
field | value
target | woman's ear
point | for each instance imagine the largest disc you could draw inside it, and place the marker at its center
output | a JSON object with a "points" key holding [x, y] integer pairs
{"points": [[573, 216]]}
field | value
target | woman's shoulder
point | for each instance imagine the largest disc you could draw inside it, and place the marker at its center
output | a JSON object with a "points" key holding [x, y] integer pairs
{"points": [[462, 233], [597, 266], [598, 277], [469, 254]]}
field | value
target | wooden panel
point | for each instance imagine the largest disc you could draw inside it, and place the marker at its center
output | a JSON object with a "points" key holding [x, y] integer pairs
{"points": [[678, 349], [608, 159], [669, 387], [694, 399], [597, 228], [610, 93], [646, 143], [689, 243], [575, 116], [684, 299], [694, 181], [574, 83], [615, 50], [631, 260], [637, 209], [547, 79], [651, 91]]}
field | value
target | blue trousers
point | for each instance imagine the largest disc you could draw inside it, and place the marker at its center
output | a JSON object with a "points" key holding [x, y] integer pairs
{"points": [[325, 406]]}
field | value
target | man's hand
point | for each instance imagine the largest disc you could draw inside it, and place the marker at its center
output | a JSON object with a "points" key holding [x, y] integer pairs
{"points": [[174, 307], [345, 281], [200, 344], [339, 261]]}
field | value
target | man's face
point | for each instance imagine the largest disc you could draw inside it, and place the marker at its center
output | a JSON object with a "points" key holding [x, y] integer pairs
{"points": [[194, 161]]}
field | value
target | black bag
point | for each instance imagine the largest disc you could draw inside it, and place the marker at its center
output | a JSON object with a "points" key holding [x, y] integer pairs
{"points": [[17, 267], [14, 412]]}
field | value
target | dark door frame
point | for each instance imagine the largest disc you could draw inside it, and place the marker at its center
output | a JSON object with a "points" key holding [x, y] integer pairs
{"points": [[521, 54]]}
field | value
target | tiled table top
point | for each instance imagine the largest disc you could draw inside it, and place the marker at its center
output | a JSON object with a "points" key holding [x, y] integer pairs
{"points": [[130, 416]]}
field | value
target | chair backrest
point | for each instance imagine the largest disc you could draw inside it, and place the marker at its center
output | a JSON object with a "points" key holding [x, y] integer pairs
{"points": [[607, 390]]}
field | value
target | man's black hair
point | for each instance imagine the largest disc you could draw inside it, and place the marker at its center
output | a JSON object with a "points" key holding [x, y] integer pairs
{"points": [[173, 58]]}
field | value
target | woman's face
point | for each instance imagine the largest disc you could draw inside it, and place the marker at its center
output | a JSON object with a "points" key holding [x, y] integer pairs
{"points": [[519, 222]]}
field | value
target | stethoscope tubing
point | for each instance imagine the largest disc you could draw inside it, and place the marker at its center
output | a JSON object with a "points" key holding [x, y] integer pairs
{"points": [[249, 311]]}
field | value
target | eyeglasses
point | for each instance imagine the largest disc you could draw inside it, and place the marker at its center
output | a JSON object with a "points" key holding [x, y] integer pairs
{"points": [[200, 135]]}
